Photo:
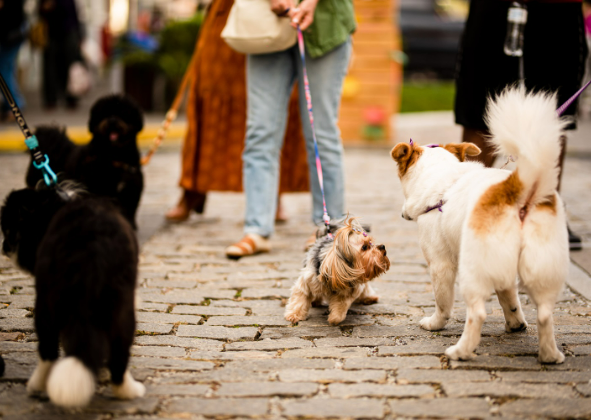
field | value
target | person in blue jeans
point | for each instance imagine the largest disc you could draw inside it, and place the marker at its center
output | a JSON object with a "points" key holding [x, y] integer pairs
{"points": [[13, 29], [327, 27]]}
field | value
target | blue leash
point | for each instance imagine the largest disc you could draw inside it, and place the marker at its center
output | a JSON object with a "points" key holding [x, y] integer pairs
{"points": [[40, 160]]}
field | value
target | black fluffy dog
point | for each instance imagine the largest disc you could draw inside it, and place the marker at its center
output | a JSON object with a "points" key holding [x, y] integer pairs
{"points": [[107, 166], [84, 256]]}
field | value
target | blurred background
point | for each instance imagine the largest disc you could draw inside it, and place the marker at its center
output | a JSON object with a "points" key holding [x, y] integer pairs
{"points": [[404, 60], [430, 34]]}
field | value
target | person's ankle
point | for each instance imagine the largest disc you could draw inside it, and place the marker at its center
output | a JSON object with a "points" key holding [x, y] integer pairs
{"points": [[180, 212], [250, 244]]}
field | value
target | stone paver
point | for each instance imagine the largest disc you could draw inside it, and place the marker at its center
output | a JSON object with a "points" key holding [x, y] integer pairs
{"points": [[423, 362], [509, 389], [379, 390], [264, 389], [207, 310], [165, 390], [439, 376], [549, 407], [364, 408], [335, 375], [221, 333], [446, 408], [212, 341], [220, 407]]}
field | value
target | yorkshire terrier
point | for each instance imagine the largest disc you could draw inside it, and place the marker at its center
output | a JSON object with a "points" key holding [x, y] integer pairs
{"points": [[337, 270]]}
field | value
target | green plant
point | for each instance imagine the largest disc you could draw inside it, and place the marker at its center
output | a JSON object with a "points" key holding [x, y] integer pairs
{"points": [[145, 58], [418, 96], [177, 42]]}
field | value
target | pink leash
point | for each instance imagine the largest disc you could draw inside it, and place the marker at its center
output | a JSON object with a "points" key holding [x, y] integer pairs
{"points": [[325, 217], [565, 105]]}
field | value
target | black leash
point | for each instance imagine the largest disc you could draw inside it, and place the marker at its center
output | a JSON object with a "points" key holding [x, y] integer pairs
{"points": [[40, 160]]}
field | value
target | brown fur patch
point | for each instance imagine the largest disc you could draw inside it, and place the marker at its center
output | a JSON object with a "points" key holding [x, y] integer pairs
{"points": [[494, 201], [462, 150], [548, 205], [405, 156]]}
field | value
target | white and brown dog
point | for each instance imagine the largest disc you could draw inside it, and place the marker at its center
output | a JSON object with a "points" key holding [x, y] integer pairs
{"points": [[337, 270], [487, 226]]}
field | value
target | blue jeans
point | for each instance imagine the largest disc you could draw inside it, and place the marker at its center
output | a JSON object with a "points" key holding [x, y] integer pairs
{"points": [[270, 78], [8, 70]]}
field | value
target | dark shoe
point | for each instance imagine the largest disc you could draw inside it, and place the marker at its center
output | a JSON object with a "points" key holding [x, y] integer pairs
{"points": [[190, 200], [574, 241]]}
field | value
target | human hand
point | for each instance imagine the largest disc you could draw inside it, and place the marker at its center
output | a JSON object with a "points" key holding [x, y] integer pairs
{"points": [[303, 15], [281, 7]]}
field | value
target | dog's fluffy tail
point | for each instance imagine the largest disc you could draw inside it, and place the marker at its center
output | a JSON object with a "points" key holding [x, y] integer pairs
{"points": [[70, 384], [527, 127]]}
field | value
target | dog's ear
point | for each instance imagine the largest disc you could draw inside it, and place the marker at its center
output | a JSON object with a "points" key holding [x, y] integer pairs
{"points": [[462, 150], [401, 152], [405, 156], [24, 201], [331, 271], [20, 206], [342, 265]]}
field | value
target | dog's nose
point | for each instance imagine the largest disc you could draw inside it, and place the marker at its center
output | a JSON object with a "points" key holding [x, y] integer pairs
{"points": [[381, 247]]}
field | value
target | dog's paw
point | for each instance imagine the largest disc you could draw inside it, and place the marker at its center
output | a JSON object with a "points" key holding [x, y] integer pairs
{"points": [[336, 318], [294, 317], [555, 356], [515, 325], [369, 300], [37, 383], [129, 389], [433, 323], [458, 353], [35, 386]]}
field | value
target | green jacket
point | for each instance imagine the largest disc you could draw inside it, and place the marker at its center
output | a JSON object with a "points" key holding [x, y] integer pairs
{"points": [[334, 21]]}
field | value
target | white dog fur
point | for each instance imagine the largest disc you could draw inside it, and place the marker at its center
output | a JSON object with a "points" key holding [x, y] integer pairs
{"points": [[494, 224]]}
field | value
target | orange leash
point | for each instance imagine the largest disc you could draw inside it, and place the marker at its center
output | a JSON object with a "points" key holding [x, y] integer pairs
{"points": [[172, 112]]}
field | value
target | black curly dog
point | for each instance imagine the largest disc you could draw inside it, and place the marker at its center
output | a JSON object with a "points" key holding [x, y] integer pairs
{"points": [[109, 165], [84, 256]]}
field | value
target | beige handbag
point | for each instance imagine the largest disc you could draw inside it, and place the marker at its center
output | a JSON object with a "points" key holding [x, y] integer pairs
{"points": [[252, 28]]}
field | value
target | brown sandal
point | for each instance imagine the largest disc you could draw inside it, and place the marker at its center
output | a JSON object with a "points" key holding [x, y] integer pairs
{"points": [[251, 244]]}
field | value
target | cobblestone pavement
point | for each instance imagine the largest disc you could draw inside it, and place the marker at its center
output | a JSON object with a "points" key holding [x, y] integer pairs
{"points": [[212, 341]]}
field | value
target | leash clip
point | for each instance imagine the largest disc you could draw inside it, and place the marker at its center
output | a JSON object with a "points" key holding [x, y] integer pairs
{"points": [[510, 159], [326, 220], [48, 175]]}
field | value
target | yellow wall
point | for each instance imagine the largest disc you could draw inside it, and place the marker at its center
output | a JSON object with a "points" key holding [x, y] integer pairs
{"points": [[375, 76]]}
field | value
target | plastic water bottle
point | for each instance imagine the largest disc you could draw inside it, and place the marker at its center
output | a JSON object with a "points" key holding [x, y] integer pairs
{"points": [[516, 19]]}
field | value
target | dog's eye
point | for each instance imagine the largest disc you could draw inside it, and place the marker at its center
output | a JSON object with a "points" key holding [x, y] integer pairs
{"points": [[365, 247]]}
